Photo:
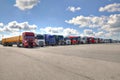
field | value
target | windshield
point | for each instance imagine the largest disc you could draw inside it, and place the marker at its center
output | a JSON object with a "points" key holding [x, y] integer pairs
{"points": [[52, 38], [74, 38], [39, 37], [84, 38], [67, 38], [28, 37], [60, 37], [78, 38]]}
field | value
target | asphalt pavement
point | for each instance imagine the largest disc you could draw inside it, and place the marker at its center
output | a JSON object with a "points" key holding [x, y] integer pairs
{"points": [[73, 62]]}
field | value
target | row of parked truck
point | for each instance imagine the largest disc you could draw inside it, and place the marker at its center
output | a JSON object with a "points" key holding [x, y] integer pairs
{"points": [[30, 39]]}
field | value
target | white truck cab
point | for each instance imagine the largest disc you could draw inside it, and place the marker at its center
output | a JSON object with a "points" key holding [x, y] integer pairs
{"points": [[67, 41], [39, 40], [84, 40]]}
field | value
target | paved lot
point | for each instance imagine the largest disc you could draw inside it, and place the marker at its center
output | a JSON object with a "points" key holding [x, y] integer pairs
{"points": [[79, 62]]}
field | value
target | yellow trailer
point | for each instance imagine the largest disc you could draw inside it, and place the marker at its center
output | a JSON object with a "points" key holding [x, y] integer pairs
{"points": [[25, 40], [12, 40]]}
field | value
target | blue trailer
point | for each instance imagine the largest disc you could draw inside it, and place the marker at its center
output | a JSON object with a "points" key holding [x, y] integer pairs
{"points": [[50, 40]]}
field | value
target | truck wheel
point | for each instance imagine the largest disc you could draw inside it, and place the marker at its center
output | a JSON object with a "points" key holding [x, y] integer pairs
{"points": [[18, 44], [10, 45], [42, 45], [31, 46], [4, 44]]}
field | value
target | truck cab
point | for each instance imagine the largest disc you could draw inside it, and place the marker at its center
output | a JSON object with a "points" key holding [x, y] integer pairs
{"points": [[49, 40], [91, 40], [67, 41], [39, 40], [74, 40], [84, 40], [78, 39], [59, 39], [28, 39]]}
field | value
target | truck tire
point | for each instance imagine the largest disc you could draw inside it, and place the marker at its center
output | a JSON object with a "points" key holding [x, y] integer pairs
{"points": [[4, 44], [10, 45], [18, 44], [31, 46]]}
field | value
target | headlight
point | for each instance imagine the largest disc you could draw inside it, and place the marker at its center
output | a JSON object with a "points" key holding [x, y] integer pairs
{"points": [[25, 41]]}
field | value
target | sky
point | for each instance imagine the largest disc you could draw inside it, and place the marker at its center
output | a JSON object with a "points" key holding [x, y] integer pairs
{"points": [[97, 18]]}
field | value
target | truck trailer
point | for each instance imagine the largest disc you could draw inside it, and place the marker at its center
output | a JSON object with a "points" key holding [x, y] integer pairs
{"points": [[27, 39]]}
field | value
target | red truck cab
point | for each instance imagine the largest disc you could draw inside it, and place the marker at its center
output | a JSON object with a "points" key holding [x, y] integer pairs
{"points": [[28, 39], [74, 40], [91, 40]]}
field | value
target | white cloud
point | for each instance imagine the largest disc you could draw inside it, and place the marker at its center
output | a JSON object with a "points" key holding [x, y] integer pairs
{"points": [[27, 26], [115, 7], [100, 34], [73, 9], [1, 27], [112, 24], [89, 32], [90, 21], [59, 31], [14, 26], [26, 4], [106, 24], [113, 35], [52, 30], [70, 31], [1, 24], [11, 34]]}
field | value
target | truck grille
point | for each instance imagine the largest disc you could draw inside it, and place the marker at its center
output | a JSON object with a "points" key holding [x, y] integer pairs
{"points": [[41, 43]]}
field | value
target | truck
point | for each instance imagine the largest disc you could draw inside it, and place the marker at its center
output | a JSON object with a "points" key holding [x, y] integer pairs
{"points": [[49, 40], [84, 40], [74, 40], [27, 39], [78, 39], [107, 40], [91, 40], [39, 40], [67, 41], [98, 40], [59, 39]]}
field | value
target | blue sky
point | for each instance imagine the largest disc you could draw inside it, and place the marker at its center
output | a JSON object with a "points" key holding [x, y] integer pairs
{"points": [[69, 17]]}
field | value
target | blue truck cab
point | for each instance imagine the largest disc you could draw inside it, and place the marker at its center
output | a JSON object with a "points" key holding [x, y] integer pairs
{"points": [[50, 40]]}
